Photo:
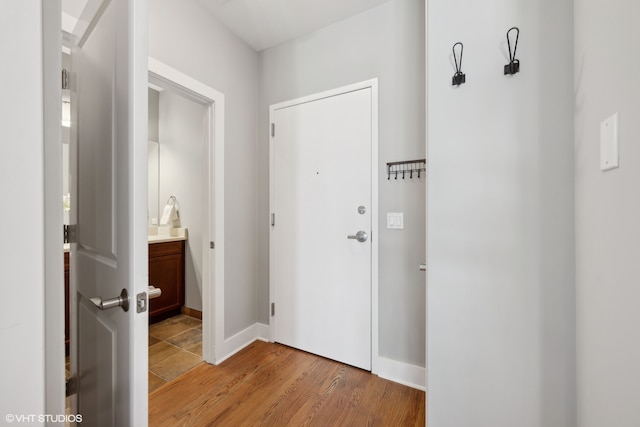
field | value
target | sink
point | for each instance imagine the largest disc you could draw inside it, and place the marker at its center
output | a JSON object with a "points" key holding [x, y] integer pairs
{"points": [[166, 234]]}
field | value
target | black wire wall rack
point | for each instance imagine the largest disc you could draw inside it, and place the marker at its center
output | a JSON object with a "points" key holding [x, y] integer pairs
{"points": [[406, 169]]}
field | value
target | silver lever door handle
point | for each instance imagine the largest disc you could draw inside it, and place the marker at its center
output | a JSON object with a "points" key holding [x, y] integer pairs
{"points": [[120, 301], [360, 236], [153, 292]]}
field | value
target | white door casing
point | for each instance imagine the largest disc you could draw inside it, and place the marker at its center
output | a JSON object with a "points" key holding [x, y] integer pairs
{"points": [[109, 193], [323, 168]]}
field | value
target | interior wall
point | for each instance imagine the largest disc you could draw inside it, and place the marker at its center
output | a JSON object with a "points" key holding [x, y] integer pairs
{"points": [[607, 211], [386, 42], [22, 361], [181, 175], [186, 37], [501, 299]]}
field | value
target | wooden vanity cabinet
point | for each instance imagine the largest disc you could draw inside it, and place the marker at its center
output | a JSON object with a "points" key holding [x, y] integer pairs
{"points": [[166, 271]]}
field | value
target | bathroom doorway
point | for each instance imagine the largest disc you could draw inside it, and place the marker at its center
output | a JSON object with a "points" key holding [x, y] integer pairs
{"points": [[186, 195], [174, 221]]}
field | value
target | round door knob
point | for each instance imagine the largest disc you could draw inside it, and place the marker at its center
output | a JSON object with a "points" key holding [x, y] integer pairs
{"points": [[360, 236]]}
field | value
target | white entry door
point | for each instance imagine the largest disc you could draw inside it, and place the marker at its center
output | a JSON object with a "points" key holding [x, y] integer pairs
{"points": [[321, 233], [109, 197]]}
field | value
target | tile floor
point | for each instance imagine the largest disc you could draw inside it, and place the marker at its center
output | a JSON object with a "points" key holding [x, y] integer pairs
{"points": [[175, 346]]}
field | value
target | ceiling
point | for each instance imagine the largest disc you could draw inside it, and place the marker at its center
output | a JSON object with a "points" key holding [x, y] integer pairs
{"points": [[71, 10], [266, 23], [261, 23]]}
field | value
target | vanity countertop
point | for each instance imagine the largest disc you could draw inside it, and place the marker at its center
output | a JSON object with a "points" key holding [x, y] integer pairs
{"points": [[157, 235], [166, 234]]}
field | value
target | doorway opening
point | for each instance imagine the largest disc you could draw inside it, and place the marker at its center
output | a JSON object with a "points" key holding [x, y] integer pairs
{"points": [[175, 170], [207, 245]]}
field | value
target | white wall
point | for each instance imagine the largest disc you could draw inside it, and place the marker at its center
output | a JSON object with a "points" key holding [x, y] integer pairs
{"points": [[186, 37], [607, 66], [386, 42], [181, 175], [501, 303], [22, 361]]}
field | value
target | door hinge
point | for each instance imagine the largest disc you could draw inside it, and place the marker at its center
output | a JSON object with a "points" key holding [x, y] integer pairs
{"points": [[70, 233], [65, 79], [273, 308], [71, 386], [212, 245], [273, 130], [273, 219]]}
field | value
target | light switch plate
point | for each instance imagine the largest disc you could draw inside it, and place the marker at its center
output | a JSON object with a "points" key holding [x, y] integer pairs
{"points": [[609, 143], [395, 220]]}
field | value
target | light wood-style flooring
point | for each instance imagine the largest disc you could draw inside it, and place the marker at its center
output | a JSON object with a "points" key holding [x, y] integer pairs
{"points": [[270, 384]]}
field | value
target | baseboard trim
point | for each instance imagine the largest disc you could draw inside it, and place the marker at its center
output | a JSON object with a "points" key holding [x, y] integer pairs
{"points": [[392, 370], [263, 332], [192, 312], [234, 344], [402, 373]]}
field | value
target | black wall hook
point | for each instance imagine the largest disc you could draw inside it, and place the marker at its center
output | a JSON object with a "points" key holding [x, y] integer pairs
{"points": [[459, 77], [513, 66]]}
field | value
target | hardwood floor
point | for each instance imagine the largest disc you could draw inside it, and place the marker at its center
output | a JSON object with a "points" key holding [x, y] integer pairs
{"points": [[270, 384]]}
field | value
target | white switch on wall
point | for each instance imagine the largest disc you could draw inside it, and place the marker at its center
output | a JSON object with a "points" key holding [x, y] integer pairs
{"points": [[395, 220], [609, 143]]}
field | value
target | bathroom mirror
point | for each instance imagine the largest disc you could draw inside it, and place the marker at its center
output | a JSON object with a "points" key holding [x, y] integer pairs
{"points": [[153, 209], [154, 181]]}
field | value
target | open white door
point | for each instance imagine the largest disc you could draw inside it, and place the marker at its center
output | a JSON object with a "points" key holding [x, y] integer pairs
{"points": [[109, 198]]}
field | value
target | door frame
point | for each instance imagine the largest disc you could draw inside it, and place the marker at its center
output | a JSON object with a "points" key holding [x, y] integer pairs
{"points": [[53, 290], [367, 84], [213, 200]]}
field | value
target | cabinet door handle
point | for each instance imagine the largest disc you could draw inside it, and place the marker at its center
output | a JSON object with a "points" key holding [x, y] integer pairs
{"points": [[153, 292]]}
